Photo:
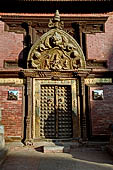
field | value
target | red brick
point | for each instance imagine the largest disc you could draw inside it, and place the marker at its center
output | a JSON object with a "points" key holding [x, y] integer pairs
{"points": [[102, 111], [11, 45], [12, 114], [100, 45]]}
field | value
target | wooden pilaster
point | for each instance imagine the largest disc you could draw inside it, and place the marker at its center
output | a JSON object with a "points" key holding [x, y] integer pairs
{"points": [[83, 110], [28, 139]]}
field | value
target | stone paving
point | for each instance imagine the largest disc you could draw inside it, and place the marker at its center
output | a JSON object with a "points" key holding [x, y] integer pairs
{"points": [[81, 158]]}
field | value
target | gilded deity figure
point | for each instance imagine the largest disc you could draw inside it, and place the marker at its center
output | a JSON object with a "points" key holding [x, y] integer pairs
{"points": [[47, 64], [56, 64], [66, 65], [56, 39]]}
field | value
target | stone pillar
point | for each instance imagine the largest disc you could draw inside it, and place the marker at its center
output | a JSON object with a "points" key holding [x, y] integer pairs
{"points": [[2, 141]]}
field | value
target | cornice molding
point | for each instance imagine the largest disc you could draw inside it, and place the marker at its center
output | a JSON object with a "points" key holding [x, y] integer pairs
{"points": [[40, 22]]}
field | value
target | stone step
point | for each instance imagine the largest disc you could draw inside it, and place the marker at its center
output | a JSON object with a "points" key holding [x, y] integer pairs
{"points": [[56, 149]]}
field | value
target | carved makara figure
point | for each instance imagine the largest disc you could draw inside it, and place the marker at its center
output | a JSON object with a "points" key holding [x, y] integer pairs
{"points": [[76, 64], [56, 50]]}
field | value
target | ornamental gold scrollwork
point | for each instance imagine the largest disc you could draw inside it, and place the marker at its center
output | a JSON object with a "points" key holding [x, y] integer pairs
{"points": [[56, 50]]}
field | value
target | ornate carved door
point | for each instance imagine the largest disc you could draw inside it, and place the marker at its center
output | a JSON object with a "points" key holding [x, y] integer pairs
{"points": [[53, 61], [56, 111]]}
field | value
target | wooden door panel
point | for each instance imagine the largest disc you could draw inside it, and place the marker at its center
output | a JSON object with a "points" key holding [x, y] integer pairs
{"points": [[56, 111]]}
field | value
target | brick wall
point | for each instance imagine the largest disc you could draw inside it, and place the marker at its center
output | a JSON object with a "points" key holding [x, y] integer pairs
{"points": [[12, 114], [100, 45], [102, 111], [11, 45]]}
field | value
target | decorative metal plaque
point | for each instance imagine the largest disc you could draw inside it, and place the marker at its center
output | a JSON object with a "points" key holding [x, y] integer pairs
{"points": [[98, 95], [12, 95]]}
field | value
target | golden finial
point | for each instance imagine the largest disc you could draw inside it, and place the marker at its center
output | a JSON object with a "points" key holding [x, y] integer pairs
{"points": [[57, 16], [55, 22]]}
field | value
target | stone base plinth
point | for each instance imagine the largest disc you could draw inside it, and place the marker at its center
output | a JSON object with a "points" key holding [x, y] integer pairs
{"points": [[2, 141]]}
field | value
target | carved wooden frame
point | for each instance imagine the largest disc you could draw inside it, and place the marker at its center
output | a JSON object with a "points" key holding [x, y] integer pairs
{"points": [[75, 113]]}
